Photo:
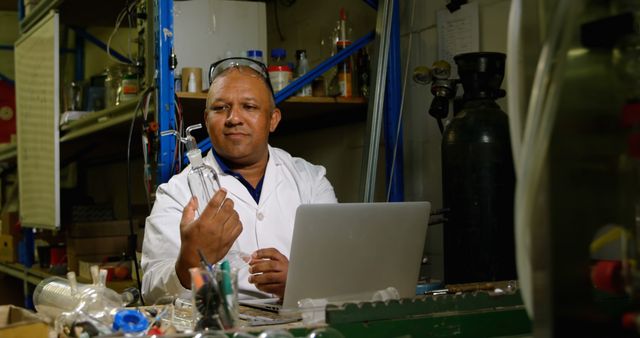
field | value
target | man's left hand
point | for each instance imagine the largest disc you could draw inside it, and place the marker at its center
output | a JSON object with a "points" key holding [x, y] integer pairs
{"points": [[268, 269]]}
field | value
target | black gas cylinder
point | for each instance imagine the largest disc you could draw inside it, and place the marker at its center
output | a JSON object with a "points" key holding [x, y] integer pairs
{"points": [[478, 177]]}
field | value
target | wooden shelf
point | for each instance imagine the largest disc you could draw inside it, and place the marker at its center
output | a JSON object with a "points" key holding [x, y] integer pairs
{"points": [[299, 113], [293, 99]]}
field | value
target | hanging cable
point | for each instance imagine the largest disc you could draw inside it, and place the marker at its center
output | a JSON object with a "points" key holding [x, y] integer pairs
{"points": [[126, 10], [132, 234], [275, 12]]}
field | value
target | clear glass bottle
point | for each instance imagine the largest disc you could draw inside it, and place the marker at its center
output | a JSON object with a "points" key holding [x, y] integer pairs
{"points": [[112, 84], [301, 69], [202, 178]]}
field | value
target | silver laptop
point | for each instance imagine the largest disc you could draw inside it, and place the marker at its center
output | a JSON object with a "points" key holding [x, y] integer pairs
{"points": [[353, 248]]}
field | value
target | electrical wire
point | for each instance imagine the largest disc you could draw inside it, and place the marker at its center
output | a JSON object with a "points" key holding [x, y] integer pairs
{"points": [[126, 10], [275, 12], [132, 236], [404, 88]]}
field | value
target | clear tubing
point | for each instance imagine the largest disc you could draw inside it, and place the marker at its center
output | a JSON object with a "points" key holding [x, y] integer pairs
{"points": [[537, 135]]}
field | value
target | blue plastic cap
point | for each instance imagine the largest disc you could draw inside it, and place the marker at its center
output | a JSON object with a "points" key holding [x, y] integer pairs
{"points": [[254, 53], [278, 53], [130, 321]]}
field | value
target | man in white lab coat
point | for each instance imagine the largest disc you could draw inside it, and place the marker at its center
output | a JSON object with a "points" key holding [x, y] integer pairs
{"points": [[254, 211]]}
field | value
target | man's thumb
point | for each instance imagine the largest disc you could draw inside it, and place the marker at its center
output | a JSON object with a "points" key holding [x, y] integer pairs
{"points": [[189, 212]]}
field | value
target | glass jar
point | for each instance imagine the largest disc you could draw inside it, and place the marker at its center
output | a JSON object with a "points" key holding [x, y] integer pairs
{"points": [[112, 84], [129, 84]]}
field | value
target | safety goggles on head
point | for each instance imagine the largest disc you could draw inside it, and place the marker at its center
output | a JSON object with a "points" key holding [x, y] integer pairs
{"points": [[221, 66]]}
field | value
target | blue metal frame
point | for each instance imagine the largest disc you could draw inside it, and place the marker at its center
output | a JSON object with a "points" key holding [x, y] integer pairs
{"points": [[7, 79], [372, 3], [6, 47], [165, 87], [79, 58], [20, 10], [87, 36], [307, 78], [392, 122]]}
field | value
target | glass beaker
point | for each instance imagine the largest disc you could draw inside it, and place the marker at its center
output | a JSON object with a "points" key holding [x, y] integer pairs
{"points": [[72, 97], [112, 84]]}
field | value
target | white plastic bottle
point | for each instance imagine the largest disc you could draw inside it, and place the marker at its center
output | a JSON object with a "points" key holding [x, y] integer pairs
{"points": [[191, 85]]}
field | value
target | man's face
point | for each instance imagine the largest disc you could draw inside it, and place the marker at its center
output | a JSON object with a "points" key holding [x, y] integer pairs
{"points": [[240, 116]]}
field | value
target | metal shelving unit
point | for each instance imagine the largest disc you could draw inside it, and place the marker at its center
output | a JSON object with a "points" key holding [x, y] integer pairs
{"points": [[96, 121]]}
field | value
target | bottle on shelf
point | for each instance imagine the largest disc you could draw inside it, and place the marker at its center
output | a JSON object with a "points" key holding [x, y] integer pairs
{"points": [[363, 66], [344, 75], [344, 69], [255, 54], [301, 69], [191, 86], [279, 71], [129, 87]]}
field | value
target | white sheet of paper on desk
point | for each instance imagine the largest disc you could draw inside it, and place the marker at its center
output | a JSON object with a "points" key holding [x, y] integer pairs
{"points": [[458, 32]]}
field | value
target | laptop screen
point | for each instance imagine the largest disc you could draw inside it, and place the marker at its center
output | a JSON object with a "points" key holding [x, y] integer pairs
{"points": [[354, 248]]}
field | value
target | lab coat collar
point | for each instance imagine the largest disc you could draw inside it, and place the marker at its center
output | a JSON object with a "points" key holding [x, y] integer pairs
{"points": [[271, 180]]}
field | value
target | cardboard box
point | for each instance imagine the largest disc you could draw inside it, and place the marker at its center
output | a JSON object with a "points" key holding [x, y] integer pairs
{"points": [[8, 248], [16, 322], [94, 248], [9, 223]]}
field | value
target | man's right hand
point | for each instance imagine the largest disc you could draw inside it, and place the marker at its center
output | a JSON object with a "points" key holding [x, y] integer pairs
{"points": [[213, 233]]}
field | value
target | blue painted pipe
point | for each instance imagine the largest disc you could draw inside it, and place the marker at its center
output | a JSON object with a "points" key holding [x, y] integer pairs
{"points": [[307, 78], [165, 85], [7, 79], [79, 58], [372, 3]]}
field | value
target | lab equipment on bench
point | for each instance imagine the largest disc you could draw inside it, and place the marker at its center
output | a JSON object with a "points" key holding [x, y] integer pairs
{"points": [[203, 179]]}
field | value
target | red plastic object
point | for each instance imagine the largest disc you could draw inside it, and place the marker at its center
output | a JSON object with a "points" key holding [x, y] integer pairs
{"points": [[630, 114], [607, 276], [7, 111]]}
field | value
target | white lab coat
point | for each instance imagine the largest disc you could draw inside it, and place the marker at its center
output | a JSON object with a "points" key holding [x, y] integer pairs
{"points": [[288, 182]]}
